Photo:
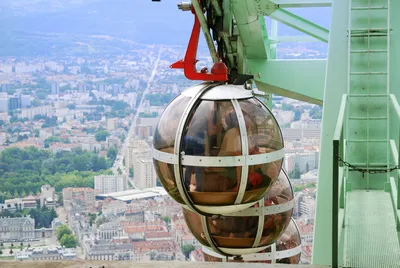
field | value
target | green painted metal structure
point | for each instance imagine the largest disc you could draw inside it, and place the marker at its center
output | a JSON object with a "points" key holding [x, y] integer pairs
{"points": [[358, 213]]}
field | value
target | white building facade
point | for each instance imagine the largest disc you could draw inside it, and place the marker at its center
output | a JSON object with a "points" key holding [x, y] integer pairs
{"points": [[110, 183], [145, 176]]}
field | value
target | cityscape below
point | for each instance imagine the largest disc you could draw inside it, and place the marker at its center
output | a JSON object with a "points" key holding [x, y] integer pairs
{"points": [[76, 169]]}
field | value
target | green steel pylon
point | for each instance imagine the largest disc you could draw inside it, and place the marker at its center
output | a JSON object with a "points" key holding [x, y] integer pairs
{"points": [[362, 223], [357, 212]]}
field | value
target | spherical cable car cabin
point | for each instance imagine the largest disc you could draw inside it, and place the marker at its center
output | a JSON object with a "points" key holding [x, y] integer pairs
{"points": [[217, 149], [250, 230]]}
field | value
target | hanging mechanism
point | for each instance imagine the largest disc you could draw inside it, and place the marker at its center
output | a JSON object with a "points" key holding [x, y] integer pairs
{"points": [[219, 71]]}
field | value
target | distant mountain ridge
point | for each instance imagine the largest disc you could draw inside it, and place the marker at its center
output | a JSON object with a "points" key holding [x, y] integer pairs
{"points": [[142, 21]]}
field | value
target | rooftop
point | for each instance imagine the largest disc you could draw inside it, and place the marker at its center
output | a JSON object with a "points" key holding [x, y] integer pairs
{"points": [[135, 194], [129, 264]]}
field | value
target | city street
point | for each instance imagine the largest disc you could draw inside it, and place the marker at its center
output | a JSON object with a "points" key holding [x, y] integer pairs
{"points": [[119, 159]]}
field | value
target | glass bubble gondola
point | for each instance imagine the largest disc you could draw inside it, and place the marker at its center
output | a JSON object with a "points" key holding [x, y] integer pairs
{"points": [[217, 149], [286, 250], [250, 230]]}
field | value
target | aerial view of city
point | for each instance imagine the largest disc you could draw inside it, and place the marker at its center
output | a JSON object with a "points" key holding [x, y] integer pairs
{"points": [[80, 100]]}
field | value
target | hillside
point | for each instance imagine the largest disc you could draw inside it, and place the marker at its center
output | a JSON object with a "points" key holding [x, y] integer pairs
{"points": [[47, 27]]}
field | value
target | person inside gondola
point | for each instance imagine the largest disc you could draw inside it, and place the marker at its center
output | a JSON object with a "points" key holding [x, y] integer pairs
{"points": [[231, 146], [199, 129]]}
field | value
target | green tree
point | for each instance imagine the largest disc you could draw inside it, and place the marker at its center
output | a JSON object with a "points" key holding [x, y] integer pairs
{"points": [[43, 217], [295, 173], [101, 135], [297, 115], [131, 172], [41, 95], [11, 251], [37, 133], [287, 107], [152, 255], [167, 219], [112, 153], [316, 112], [71, 106], [187, 249], [13, 119], [61, 231], [68, 241], [100, 221], [92, 218], [1, 252], [36, 103], [28, 169], [53, 139], [119, 171]]}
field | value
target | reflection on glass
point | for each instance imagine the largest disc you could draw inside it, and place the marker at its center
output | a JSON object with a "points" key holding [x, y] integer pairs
{"points": [[166, 175], [212, 185], [264, 136], [194, 224], [227, 231], [289, 240], [262, 129], [164, 136], [260, 180], [234, 232], [212, 130], [210, 258], [275, 224], [240, 232]]}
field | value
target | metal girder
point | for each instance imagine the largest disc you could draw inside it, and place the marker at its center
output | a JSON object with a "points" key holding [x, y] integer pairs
{"points": [[203, 23], [291, 78], [302, 3], [298, 38], [252, 29], [335, 87], [300, 24]]}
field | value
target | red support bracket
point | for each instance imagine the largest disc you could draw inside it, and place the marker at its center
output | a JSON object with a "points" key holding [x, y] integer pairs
{"points": [[219, 71]]}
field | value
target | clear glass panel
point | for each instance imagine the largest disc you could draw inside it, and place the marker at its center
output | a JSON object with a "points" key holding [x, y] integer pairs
{"points": [[166, 175], [240, 232], [210, 258], [212, 185], [289, 240], [263, 131], [194, 223], [230, 232], [164, 136], [234, 232], [260, 180], [281, 191], [213, 130], [275, 224]]}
